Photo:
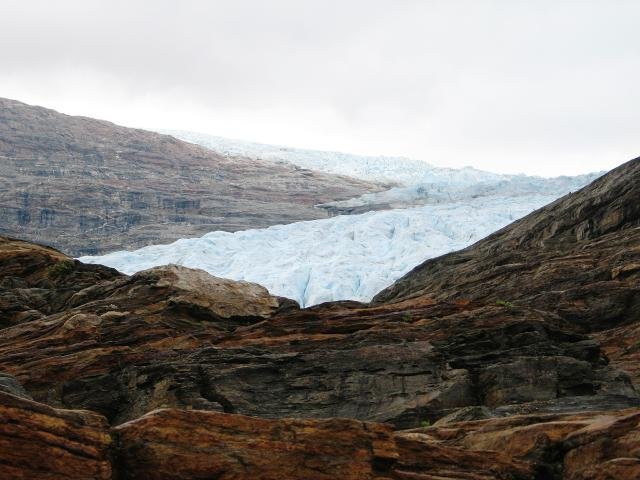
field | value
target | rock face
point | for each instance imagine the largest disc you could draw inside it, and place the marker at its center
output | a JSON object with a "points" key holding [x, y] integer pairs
{"points": [[172, 337], [37, 441], [580, 255], [527, 370], [87, 186], [578, 446], [160, 339], [222, 446]]}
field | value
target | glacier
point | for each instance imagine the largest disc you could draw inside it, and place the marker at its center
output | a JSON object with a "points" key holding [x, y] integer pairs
{"points": [[410, 182], [427, 211], [396, 171], [384, 169], [347, 257]]}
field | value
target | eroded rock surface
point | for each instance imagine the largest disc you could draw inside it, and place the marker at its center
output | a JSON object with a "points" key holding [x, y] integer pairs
{"points": [[37, 441], [159, 339], [527, 371], [40, 442], [222, 446], [577, 446]]}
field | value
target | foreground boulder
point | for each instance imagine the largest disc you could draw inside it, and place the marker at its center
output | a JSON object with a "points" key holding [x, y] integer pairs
{"points": [[175, 444], [40, 442]]}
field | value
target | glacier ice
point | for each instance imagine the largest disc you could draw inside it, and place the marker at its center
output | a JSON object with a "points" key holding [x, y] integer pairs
{"points": [[401, 171], [395, 170], [352, 257], [344, 257]]}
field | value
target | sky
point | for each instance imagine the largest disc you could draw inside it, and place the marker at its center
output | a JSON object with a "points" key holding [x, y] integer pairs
{"points": [[538, 87]]}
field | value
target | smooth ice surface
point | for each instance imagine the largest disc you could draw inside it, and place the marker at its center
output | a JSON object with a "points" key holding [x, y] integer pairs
{"points": [[345, 257]]}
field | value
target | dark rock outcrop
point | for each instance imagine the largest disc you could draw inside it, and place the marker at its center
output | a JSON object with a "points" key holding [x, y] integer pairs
{"points": [[88, 186], [9, 384], [527, 370], [579, 257]]}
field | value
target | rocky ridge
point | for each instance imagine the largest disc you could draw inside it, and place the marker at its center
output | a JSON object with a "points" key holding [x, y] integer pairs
{"points": [[88, 186], [484, 368]]}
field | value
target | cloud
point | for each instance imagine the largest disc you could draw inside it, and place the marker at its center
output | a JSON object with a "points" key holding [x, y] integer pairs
{"points": [[542, 87]]}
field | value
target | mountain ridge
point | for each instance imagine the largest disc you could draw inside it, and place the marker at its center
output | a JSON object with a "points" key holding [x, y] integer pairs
{"points": [[90, 186], [540, 229]]}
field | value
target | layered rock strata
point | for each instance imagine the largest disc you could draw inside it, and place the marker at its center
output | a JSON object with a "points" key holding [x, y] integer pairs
{"points": [[525, 370]]}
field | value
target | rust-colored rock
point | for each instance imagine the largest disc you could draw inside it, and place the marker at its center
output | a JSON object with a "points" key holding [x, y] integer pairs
{"points": [[607, 448], [527, 368], [422, 458], [175, 444], [578, 446], [161, 339], [40, 442]]}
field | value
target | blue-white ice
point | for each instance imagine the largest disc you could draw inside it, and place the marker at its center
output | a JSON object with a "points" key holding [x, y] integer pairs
{"points": [[353, 257], [345, 257], [401, 170]]}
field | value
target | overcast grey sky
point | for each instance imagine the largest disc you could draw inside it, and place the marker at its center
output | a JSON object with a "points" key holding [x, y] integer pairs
{"points": [[542, 87]]}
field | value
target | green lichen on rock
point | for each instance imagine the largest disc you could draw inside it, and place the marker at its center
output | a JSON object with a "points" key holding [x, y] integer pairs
{"points": [[60, 269], [504, 303]]}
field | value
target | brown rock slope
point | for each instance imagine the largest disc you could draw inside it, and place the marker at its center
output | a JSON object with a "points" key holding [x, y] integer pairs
{"points": [[126, 345], [40, 442], [579, 256], [88, 186], [526, 366]]}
